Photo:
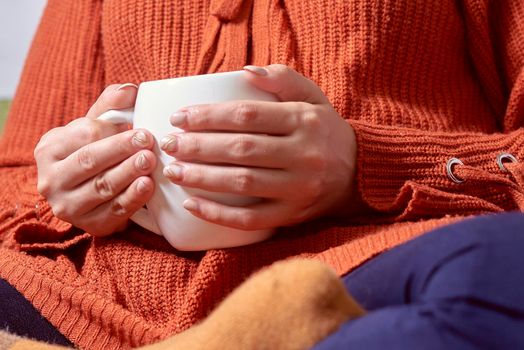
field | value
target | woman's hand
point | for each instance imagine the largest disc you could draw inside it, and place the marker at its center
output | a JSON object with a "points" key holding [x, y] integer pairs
{"points": [[95, 174], [298, 154]]}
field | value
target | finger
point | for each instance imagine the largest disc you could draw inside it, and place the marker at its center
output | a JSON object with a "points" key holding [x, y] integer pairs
{"points": [[98, 156], [259, 216], [240, 149], [112, 215], [114, 97], [256, 182], [286, 83], [61, 142], [109, 184], [86, 130], [262, 117]]}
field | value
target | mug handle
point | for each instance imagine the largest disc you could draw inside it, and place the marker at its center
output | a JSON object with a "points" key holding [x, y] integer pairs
{"points": [[142, 215]]}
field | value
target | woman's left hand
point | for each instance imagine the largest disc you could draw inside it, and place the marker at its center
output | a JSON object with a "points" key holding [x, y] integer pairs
{"points": [[297, 154]]}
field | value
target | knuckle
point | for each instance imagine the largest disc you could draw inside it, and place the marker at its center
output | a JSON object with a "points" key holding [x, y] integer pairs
{"points": [[37, 152], [118, 209], [41, 145], [89, 132], [104, 188], [245, 113], [85, 158], [191, 144], [193, 175], [43, 187], [199, 115], [126, 205], [311, 119], [61, 211], [243, 181], [46, 140], [242, 147], [125, 142], [313, 190], [315, 161]]}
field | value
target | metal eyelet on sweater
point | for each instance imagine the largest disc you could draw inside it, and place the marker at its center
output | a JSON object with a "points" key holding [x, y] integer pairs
{"points": [[505, 156], [449, 169]]}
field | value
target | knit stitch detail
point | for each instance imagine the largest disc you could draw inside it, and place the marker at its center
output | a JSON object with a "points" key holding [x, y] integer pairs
{"points": [[419, 81]]}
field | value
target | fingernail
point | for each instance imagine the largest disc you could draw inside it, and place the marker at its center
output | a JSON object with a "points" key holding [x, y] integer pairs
{"points": [[139, 139], [261, 71], [173, 171], [142, 162], [169, 143], [178, 118], [123, 86], [141, 187], [191, 205]]}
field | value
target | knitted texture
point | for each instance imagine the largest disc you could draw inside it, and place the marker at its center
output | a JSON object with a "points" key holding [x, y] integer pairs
{"points": [[311, 299], [420, 82]]}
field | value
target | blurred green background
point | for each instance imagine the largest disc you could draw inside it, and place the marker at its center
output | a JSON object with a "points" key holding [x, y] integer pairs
{"points": [[4, 107]]}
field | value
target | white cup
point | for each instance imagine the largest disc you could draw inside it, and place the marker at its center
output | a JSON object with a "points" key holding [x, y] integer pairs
{"points": [[156, 102]]}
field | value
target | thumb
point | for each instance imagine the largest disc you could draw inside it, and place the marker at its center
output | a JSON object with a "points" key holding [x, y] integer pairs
{"points": [[286, 83], [114, 97]]}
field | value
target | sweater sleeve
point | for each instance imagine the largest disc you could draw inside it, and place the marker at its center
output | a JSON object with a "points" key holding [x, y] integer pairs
{"points": [[62, 77], [402, 171]]}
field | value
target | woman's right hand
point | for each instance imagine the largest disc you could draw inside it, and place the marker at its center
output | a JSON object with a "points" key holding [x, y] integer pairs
{"points": [[94, 174]]}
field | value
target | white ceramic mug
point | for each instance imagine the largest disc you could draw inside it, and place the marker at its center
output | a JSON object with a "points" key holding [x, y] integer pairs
{"points": [[156, 102]]}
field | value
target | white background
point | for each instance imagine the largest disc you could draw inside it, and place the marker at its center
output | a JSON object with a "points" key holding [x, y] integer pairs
{"points": [[18, 22]]}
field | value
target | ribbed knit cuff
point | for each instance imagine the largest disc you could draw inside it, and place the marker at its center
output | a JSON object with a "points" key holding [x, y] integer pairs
{"points": [[403, 171]]}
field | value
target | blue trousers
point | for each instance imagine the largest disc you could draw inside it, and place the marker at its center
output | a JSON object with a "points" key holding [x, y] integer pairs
{"points": [[18, 316], [458, 287]]}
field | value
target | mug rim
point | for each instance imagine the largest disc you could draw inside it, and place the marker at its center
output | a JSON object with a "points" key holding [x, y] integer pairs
{"points": [[190, 77]]}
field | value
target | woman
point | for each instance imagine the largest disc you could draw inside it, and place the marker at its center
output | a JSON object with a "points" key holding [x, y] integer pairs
{"points": [[397, 133]]}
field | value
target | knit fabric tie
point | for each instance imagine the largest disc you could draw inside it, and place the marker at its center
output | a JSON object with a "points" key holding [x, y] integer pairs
{"points": [[226, 36], [226, 10], [240, 32]]}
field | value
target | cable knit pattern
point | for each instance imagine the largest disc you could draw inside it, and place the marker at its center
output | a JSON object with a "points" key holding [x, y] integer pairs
{"points": [[420, 82]]}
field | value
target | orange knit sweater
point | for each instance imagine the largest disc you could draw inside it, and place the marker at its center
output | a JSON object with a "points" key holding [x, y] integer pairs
{"points": [[420, 82]]}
